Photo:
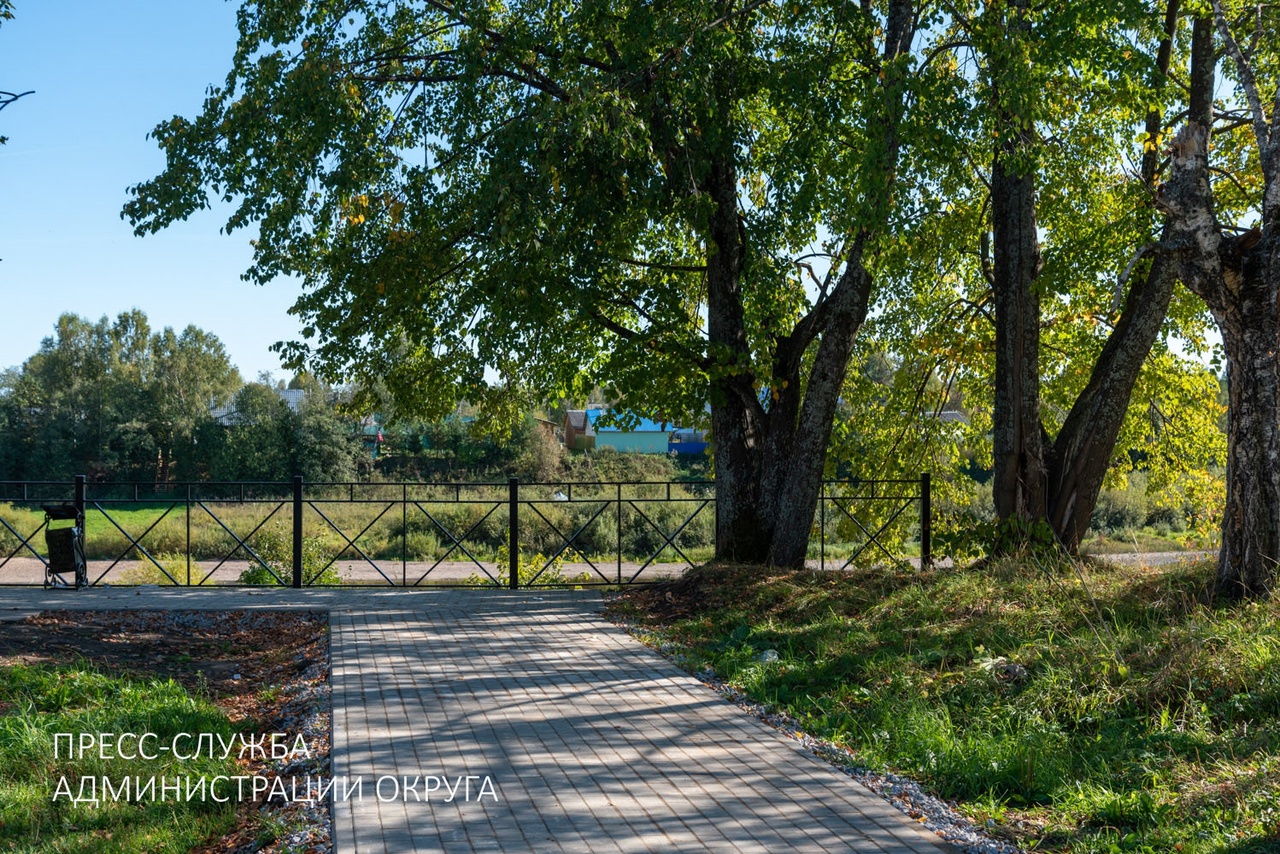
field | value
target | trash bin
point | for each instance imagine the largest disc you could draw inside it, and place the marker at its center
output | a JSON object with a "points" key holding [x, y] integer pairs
{"points": [[66, 567]]}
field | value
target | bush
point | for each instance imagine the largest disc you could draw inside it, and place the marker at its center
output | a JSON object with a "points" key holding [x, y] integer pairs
{"points": [[22, 520], [146, 572], [529, 571], [1119, 509], [275, 548]]}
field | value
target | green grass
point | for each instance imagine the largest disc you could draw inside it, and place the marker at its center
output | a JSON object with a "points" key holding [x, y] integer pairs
{"points": [[1146, 540], [38, 701], [1137, 717]]}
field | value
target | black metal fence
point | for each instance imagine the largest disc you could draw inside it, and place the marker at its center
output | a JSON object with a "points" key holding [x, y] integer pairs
{"points": [[513, 534]]}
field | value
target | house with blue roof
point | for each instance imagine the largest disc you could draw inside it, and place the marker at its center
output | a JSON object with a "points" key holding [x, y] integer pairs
{"points": [[645, 437]]}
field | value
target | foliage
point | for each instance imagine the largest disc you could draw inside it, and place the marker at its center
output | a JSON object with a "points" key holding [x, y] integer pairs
{"points": [[614, 193], [267, 441], [109, 399], [532, 570], [1137, 709], [1085, 81], [523, 204], [554, 189], [115, 401], [172, 570], [274, 546]]}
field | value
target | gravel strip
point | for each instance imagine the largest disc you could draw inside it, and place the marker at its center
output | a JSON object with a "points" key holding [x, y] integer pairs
{"points": [[306, 712], [906, 795]]}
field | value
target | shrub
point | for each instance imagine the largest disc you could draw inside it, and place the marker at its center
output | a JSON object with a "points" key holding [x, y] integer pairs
{"points": [[275, 548], [1123, 508], [529, 571], [146, 572]]}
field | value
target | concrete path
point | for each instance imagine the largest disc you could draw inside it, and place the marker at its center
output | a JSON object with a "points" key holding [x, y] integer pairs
{"points": [[554, 730]]}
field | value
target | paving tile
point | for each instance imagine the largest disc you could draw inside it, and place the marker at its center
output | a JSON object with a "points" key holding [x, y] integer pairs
{"points": [[593, 743]]}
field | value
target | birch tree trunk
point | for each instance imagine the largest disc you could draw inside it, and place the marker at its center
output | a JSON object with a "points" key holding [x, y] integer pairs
{"points": [[1238, 277]]}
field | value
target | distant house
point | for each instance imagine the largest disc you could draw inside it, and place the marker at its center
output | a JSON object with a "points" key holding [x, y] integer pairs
{"points": [[685, 440], [579, 432], [645, 437], [582, 431], [226, 414]]}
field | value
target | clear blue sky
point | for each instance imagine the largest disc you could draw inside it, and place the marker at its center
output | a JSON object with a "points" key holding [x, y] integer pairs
{"points": [[104, 74]]}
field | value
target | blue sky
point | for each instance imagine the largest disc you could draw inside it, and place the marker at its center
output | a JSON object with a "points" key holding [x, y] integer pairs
{"points": [[104, 74]]}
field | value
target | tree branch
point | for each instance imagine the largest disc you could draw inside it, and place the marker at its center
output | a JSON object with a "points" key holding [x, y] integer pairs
{"points": [[1126, 273], [673, 268], [7, 98], [1247, 80]]}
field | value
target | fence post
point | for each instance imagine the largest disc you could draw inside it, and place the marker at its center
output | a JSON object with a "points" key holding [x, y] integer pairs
{"points": [[926, 520], [822, 525], [297, 531], [404, 535], [513, 533], [81, 575]]}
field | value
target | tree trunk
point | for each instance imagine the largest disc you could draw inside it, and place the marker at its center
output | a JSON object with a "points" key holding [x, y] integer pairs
{"points": [[1251, 524], [770, 461], [1060, 482], [164, 461], [1018, 480], [1018, 485], [1081, 452], [743, 531], [1238, 276], [793, 474]]}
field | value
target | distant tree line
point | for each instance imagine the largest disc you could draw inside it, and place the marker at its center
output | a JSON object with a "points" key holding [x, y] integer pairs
{"points": [[117, 401]]}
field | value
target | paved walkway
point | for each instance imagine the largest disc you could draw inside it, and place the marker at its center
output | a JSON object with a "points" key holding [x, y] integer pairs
{"points": [[589, 741]]}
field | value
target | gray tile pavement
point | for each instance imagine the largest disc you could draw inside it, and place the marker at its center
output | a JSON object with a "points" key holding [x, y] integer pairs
{"points": [[589, 741]]}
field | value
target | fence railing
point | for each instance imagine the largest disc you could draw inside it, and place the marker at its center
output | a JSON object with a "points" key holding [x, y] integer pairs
{"points": [[513, 534]]}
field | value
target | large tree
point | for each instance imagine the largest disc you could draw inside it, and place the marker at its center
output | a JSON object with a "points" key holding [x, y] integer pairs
{"points": [[1061, 289], [109, 398], [1223, 201], [490, 199], [189, 373], [1031, 86]]}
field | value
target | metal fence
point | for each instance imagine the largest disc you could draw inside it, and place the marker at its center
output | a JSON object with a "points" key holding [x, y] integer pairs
{"points": [[513, 534]]}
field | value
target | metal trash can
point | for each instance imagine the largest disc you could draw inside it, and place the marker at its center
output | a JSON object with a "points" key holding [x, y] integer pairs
{"points": [[66, 567]]}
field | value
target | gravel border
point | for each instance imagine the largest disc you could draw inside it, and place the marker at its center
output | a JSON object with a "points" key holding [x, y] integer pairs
{"points": [[308, 713], [904, 794]]}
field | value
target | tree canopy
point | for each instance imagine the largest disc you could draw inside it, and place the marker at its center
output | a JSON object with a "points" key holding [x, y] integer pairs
{"points": [[114, 400], [700, 205]]}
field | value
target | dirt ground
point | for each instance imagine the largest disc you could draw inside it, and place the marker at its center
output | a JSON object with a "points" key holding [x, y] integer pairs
{"points": [[268, 669]]}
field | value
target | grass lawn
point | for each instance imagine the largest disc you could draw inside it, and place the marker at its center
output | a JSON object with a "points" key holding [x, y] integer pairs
{"points": [[40, 700], [1096, 708], [1143, 541]]}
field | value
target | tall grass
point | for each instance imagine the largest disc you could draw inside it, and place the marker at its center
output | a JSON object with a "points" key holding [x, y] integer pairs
{"points": [[1112, 710]]}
